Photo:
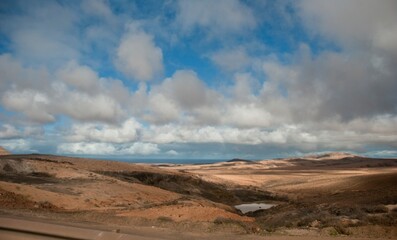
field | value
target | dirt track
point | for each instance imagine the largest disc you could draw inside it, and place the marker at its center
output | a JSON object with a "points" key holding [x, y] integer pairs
{"points": [[18, 229]]}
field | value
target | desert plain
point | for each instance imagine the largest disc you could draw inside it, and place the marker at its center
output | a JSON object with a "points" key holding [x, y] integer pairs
{"points": [[328, 196]]}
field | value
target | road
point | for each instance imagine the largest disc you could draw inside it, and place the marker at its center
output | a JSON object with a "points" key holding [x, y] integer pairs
{"points": [[16, 229], [12, 228]]}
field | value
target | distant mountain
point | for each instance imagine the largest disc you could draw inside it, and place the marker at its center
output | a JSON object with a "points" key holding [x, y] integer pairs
{"points": [[330, 155], [3, 151], [239, 160]]}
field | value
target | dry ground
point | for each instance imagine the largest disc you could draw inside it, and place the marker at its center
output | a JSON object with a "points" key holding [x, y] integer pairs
{"points": [[316, 196]]}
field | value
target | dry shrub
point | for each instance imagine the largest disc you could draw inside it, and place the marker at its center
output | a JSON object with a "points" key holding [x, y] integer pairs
{"points": [[375, 209], [246, 226], [165, 219], [334, 216], [222, 220], [383, 220], [351, 212], [341, 230]]}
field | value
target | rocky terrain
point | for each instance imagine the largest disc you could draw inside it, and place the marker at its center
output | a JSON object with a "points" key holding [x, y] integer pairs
{"points": [[325, 195]]}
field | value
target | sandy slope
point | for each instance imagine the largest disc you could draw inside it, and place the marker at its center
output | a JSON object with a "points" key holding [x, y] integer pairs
{"points": [[77, 185], [3, 151], [316, 195]]}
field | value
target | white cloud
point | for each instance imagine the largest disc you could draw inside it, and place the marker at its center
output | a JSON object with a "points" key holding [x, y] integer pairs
{"points": [[231, 59], [281, 115], [244, 87], [172, 152], [16, 145], [247, 115], [74, 90], [14, 133], [252, 136], [43, 34], [127, 132], [84, 107], [137, 55], [305, 100], [8, 131], [93, 148], [140, 148], [87, 148], [161, 109], [97, 8], [180, 97], [32, 103], [386, 39], [331, 84], [226, 16], [354, 21], [80, 77], [187, 90], [16, 76]]}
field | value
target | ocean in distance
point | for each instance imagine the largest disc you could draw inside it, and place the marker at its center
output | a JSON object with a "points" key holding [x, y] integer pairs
{"points": [[173, 161], [158, 160]]}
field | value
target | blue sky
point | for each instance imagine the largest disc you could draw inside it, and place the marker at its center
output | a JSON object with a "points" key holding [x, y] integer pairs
{"points": [[198, 79]]}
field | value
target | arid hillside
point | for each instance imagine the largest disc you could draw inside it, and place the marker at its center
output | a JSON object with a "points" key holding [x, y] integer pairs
{"points": [[332, 194], [3, 151]]}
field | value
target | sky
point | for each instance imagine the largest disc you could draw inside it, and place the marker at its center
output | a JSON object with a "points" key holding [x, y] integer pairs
{"points": [[198, 79]]}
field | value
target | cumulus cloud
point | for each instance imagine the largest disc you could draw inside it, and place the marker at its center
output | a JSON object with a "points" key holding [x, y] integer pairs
{"points": [[127, 132], [332, 85], [15, 76], [372, 23], [36, 39], [94, 148], [137, 55], [98, 8], [231, 59], [176, 88], [172, 152], [99, 107], [8, 131], [247, 115], [161, 109], [244, 87], [16, 145], [180, 97], [80, 77], [252, 136], [140, 148], [224, 17], [86, 148], [337, 91], [31, 103], [73, 90]]}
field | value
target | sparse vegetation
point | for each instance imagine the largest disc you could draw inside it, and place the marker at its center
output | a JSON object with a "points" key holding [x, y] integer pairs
{"points": [[194, 186], [375, 209], [342, 230], [246, 226], [337, 218], [164, 219], [339, 210]]}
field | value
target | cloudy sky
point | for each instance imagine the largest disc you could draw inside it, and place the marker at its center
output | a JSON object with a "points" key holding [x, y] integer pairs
{"points": [[198, 79]]}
